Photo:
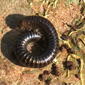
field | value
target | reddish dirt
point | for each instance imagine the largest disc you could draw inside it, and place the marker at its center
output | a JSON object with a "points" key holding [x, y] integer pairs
{"points": [[12, 74]]}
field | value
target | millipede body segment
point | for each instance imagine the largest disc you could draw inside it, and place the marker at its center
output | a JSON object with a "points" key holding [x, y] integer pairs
{"points": [[37, 43]]}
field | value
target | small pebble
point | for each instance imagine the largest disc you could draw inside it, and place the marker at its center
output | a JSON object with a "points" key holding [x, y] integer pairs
{"points": [[46, 72], [55, 70], [77, 76], [69, 50], [41, 77], [69, 65]]}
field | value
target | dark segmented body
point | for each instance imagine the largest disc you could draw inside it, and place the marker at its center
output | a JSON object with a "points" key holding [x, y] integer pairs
{"points": [[40, 31]]}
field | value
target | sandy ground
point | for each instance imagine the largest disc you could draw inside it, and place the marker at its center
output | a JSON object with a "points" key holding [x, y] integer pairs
{"points": [[11, 11]]}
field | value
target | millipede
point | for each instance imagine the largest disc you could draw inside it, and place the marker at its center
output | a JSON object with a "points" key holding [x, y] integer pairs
{"points": [[37, 43]]}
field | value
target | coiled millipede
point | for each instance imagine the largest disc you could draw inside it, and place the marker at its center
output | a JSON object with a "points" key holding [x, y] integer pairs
{"points": [[37, 43]]}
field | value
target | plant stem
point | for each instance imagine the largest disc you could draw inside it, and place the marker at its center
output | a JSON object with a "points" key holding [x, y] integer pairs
{"points": [[82, 71]]}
